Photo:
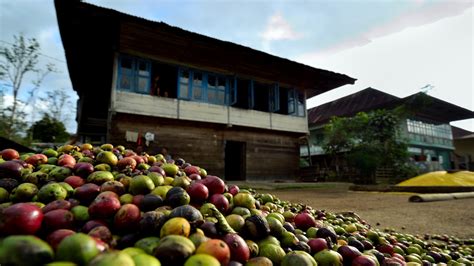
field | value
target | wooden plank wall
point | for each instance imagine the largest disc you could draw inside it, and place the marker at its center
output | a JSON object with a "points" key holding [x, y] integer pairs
{"points": [[177, 46], [141, 104], [134, 103], [269, 154], [203, 112]]}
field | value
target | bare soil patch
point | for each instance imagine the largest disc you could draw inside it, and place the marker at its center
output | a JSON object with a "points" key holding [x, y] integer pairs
{"points": [[390, 210]]}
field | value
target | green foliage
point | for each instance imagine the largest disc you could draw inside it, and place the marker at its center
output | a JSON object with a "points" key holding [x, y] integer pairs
{"points": [[49, 129], [366, 158], [368, 141], [404, 172], [303, 162]]}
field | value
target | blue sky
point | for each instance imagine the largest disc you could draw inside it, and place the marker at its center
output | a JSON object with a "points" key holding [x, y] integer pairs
{"points": [[394, 46]]}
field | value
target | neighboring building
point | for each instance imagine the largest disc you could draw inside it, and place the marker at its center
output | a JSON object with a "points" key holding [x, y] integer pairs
{"points": [[427, 130], [233, 110], [464, 149]]}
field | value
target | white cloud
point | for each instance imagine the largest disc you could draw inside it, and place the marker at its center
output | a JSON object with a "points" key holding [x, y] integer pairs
{"points": [[279, 29], [417, 17], [36, 109], [439, 53], [16, 18]]}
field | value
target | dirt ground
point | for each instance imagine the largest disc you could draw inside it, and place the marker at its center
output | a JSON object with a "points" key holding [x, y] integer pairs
{"points": [[391, 210]]}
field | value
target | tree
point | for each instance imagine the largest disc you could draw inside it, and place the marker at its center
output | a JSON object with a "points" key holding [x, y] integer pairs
{"points": [[49, 129], [18, 61], [57, 100], [368, 141]]}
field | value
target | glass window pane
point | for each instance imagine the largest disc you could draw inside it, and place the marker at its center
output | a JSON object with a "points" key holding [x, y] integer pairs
{"points": [[143, 84], [126, 74], [183, 84], [197, 93], [220, 97], [221, 83], [291, 101], [197, 85], [126, 63], [211, 96], [211, 81], [197, 79], [143, 69], [184, 77], [126, 82], [291, 106], [183, 90], [301, 109], [233, 91]]}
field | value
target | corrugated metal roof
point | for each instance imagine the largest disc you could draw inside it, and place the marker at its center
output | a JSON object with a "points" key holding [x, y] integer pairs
{"points": [[421, 105], [364, 100], [460, 133], [65, 9]]}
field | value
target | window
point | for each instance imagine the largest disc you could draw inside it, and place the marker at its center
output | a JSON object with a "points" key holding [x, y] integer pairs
{"points": [[164, 80], [261, 96], [283, 98], [143, 76], [300, 104], [291, 102], [414, 150], [430, 133], [203, 87], [234, 91], [274, 98], [134, 75], [216, 89], [296, 103], [126, 74], [197, 86], [183, 84], [241, 93]]}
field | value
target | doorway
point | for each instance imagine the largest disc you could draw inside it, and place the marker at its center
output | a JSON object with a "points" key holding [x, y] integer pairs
{"points": [[234, 160]]}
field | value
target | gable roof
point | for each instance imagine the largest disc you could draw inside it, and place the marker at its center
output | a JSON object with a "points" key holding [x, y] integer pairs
{"points": [[361, 101], [431, 109], [422, 106], [460, 133], [91, 33]]}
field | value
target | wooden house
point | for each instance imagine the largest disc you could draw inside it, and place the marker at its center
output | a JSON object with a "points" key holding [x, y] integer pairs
{"points": [[233, 110], [426, 126], [463, 158]]}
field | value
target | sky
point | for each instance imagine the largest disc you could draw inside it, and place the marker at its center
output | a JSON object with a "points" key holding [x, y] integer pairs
{"points": [[396, 46]]}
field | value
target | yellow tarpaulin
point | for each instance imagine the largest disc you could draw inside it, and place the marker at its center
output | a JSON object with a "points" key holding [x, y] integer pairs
{"points": [[441, 178]]}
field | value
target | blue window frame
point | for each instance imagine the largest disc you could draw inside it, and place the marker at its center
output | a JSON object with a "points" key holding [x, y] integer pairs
{"points": [[233, 91], [291, 102], [216, 89], [274, 98], [251, 94], [300, 104], [296, 103], [184, 84], [134, 74], [200, 86]]}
